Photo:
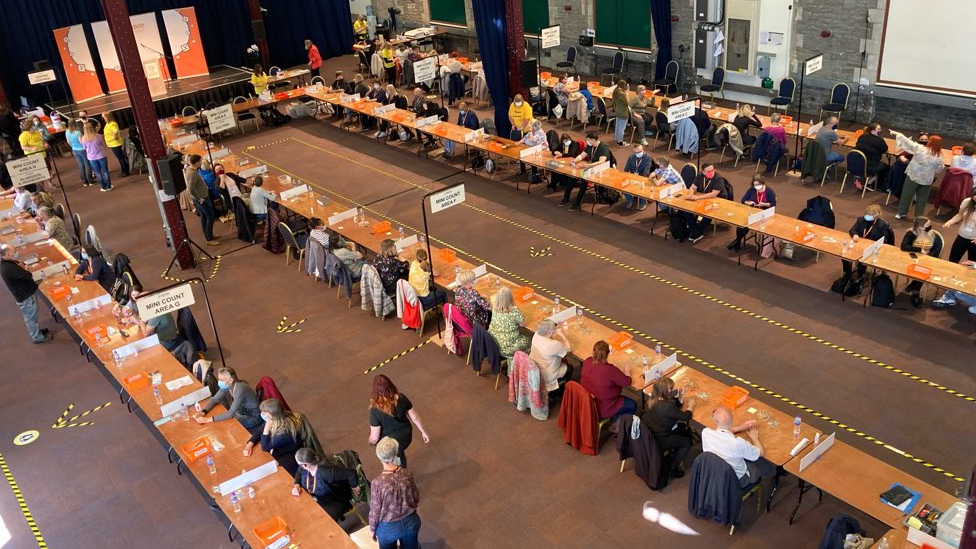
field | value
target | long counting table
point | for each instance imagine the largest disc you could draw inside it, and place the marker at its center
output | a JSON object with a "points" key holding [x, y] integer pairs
{"points": [[310, 525]]}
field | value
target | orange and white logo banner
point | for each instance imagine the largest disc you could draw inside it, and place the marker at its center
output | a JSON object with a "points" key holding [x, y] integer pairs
{"points": [[184, 41], [109, 56], [78, 64]]}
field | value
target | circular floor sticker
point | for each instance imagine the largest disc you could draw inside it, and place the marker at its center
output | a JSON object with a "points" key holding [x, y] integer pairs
{"points": [[26, 438]]}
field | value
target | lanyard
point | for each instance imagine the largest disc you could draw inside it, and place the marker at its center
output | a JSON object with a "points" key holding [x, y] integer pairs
{"points": [[867, 232], [761, 197]]}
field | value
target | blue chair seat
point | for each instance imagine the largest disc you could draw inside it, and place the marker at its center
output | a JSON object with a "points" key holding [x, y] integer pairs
{"points": [[710, 88], [780, 101], [833, 107]]}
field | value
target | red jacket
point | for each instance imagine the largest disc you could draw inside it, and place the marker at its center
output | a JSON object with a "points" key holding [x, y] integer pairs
{"points": [[314, 59], [578, 419]]}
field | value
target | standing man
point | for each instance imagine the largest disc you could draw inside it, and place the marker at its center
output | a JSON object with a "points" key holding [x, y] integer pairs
{"points": [[641, 164], [201, 195], [21, 284], [314, 59], [361, 29]]}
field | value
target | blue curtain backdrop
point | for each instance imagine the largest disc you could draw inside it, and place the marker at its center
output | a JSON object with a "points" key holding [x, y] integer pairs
{"points": [[661, 19], [26, 35], [287, 23], [489, 21]]}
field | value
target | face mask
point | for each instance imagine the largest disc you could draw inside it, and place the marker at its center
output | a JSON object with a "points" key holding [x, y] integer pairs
{"points": [[708, 175], [639, 155], [223, 385], [834, 127], [220, 172], [462, 113], [927, 228], [266, 417], [591, 143], [84, 255], [759, 188], [567, 143], [518, 103], [868, 217]]}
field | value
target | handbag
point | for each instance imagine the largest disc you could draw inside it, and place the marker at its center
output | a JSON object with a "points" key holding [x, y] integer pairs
{"points": [[558, 111], [857, 541]]}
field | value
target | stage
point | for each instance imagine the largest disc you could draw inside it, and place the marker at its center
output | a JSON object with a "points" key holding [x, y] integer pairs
{"points": [[222, 85]]}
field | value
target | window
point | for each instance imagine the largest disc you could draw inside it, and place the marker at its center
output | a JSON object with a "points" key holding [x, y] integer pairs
{"points": [[448, 11], [625, 23], [535, 16]]}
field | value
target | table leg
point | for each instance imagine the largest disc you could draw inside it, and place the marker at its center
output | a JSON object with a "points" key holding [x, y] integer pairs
{"points": [[779, 473], [799, 500]]}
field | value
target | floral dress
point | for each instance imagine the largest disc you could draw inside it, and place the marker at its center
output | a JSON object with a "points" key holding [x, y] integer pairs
{"points": [[474, 307], [505, 329]]}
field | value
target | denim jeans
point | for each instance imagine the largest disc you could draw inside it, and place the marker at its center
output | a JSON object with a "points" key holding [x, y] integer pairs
{"points": [[428, 301], [84, 166], [404, 533], [959, 297], [834, 158], [629, 199], [28, 308], [123, 161], [100, 167], [618, 129], [205, 209]]}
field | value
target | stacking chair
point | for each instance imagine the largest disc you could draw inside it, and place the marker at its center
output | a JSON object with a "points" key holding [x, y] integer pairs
{"points": [[600, 116], [857, 168], [787, 90], [76, 227], [670, 79], [717, 84], [59, 210], [552, 101], [699, 487], [839, 95], [188, 111], [615, 69], [569, 65], [291, 244], [661, 121], [245, 115], [688, 173]]}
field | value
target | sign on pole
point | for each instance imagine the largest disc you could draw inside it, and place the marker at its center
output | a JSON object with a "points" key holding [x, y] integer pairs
{"points": [[155, 304], [221, 119], [446, 199], [813, 65], [28, 170], [680, 111], [41, 77], [424, 70], [550, 37]]}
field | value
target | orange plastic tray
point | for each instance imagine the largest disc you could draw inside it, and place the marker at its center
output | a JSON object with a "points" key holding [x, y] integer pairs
{"points": [[734, 396], [786, 120], [60, 292], [271, 531], [137, 381], [381, 227], [100, 329], [620, 341], [447, 255], [197, 449], [545, 75], [919, 271], [523, 294]]}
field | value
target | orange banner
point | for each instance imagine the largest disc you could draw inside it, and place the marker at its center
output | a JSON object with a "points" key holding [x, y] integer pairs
{"points": [[78, 64], [184, 41]]}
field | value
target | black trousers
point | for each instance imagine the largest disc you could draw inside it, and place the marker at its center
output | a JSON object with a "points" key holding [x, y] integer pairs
{"points": [[960, 247], [676, 442], [849, 267], [696, 228], [572, 184]]}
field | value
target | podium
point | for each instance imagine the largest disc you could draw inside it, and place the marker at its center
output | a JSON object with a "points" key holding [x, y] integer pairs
{"points": [[157, 73]]}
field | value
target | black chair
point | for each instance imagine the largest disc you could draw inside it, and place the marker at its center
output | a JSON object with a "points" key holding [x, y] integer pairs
{"points": [[76, 227], [291, 244], [839, 95], [787, 90], [245, 115], [59, 210], [570, 63], [188, 111], [705, 465], [363, 62], [688, 173], [857, 167], [670, 79], [717, 84], [616, 68], [552, 101], [663, 127]]}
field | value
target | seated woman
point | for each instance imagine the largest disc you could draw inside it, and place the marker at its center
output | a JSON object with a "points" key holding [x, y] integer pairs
{"points": [[419, 278], [920, 239], [390, 267], [347, 254], [870, 226], [94, 267], [280, 436], [548, 354], [330, 484], [605, 382], [506, 324], [474, 307], [746, 118], [759, 196], [669, 423], [238, 397]]}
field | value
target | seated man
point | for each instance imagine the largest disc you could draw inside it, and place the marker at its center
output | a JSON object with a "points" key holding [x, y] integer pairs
{"points": [[707, 185], [827, 137], [164, 325], [548, 354], [260, 199], [596, 153], [466, 117], [966, 160], [745, 457], [641, 164], [665, 174]]}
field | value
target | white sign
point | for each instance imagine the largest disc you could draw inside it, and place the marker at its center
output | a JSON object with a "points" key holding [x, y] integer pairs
{"points": [[595, 170], [349, 98], [757, 217], [405, 243], [817, 451], [427, 121], [446, 198], [28, 170], [813, 130], [220, 153], [57, 268], [171, 408], [157, 303], [671, 190], [813, 65], [251, 172], [89, 305], [529, 151], [872, 250], [474, 135], [681, 111], [385, 108], [480, 270], [221, 119], [249, 477], [293, 192], [660, 369], [342, 216], [424, 70], [26, 239], [135, 347], [41, 77], [565, 314], [550, 37], [152, 70], [185, 140]]}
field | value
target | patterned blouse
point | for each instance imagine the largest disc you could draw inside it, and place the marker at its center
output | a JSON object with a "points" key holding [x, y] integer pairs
{"points": [[390, 270], [393, 496], [472, 305], [505, 329], [56, 229]]}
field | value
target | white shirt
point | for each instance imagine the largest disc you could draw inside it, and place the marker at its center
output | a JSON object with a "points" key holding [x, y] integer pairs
{"points": [[259, 200], [231, 187], [548, 354], [22, 200], [734, 450], [964, 162]]}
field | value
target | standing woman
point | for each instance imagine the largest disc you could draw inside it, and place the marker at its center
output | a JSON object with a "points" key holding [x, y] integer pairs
{"points": [[920, 173], [389, 65], [238, 397], [97, 152], [113, 138], [390, 415], [280, 436], [329, 483], [965, 242], [393, 501], [73, 137], [621, 109]]}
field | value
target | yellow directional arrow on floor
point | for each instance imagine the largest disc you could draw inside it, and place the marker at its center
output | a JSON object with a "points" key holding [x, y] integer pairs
{"points": [[547, 251], [63, 423], [290, 328]]}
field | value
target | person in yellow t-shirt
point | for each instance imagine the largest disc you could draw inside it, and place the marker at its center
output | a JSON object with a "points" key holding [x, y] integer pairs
{"points": [[31, 140], [389, 66], [520, 114], [361, 29], [113, 138], [259, 80]]}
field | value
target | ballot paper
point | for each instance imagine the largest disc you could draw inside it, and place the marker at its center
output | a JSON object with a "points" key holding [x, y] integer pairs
{"points": [[180, 382]]}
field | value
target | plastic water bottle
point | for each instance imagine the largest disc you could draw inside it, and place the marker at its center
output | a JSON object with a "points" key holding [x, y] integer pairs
{"points": [[401, 232], [797, 421], [156, 395], [883, 544], [457, 272], [98, 339], [184, 414], [235, 502], [555, 308], [250, 492], [579, 317], [843, 247], [657, 348], [210, 464]]}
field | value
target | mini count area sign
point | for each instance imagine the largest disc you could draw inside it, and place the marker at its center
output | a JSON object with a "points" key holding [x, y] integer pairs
{"points": [[155, 304], [446, 198]]}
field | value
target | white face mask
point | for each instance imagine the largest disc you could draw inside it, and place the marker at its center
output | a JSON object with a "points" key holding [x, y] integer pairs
{"points": [[266, 416], [567, 143], [518, 103], [639, 154], [591, 143], [759, 188]]}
